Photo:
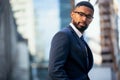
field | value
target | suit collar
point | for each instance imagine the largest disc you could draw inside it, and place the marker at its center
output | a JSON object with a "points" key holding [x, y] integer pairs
{"points": [[76, 30]]}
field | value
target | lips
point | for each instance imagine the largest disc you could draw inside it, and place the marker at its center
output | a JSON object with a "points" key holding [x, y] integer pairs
{"points": [[81, 24]]}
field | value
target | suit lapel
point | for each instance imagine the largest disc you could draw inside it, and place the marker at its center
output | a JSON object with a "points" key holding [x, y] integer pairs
{"points": [[90, 56], [80, 42], [82, 45]]}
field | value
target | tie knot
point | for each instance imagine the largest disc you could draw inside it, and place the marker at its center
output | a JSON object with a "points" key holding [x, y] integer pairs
{"points": [[82, 38]]}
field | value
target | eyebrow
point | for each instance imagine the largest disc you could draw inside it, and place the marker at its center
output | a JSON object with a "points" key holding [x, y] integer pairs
{"points": [[83, 13]]}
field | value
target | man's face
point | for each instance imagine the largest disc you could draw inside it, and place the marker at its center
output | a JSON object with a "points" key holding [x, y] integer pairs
{"points": [[82, 17]]}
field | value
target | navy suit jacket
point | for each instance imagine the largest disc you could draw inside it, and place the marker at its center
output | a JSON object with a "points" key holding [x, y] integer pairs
{"points": [[68, 59]]}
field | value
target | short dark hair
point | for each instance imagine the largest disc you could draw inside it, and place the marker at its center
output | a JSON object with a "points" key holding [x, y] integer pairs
{"points": [[85, 3]]}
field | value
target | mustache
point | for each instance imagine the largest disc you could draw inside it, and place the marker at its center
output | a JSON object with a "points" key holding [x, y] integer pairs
{"points": [[82, 22]]}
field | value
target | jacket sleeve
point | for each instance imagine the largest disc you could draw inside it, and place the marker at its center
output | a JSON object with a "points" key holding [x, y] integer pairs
{"points": [[58, 55]]}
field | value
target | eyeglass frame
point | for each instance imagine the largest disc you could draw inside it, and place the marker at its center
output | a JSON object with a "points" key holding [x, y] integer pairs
{"points": [[89, 17]]}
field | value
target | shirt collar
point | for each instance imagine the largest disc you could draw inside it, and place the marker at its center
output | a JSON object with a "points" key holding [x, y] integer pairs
{"points": [[76, 30]]}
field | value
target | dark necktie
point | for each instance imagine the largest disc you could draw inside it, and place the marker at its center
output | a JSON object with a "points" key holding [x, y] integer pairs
{"points": [[82, 38]]}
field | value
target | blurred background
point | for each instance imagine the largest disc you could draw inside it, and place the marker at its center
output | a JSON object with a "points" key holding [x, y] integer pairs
{"points": [[27, 27]]}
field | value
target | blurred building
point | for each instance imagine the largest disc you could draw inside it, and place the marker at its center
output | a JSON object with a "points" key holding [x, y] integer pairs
{"points": [[109, 36], [11, 48], [7, 40], [37, 21], [24, 16], [65, 9], [46, 25]]}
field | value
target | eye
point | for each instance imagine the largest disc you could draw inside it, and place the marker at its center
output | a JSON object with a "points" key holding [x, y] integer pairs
{"points": [[89, 16], [81, 14]]}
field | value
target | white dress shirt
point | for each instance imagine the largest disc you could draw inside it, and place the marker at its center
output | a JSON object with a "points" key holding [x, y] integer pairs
{"points": [[76, 30]]}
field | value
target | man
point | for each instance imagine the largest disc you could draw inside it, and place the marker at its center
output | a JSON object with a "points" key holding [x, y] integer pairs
{"points": [[70, 57]]}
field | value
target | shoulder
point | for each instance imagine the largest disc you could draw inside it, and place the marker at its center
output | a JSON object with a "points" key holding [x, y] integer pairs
{"points": [[65, 32], [62, 35]]}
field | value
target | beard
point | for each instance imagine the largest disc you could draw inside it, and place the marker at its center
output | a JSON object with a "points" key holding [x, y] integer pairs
{"points": [[80, 28]]}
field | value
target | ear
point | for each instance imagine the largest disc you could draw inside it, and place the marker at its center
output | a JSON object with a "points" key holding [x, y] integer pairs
{"points": [[72, 14]]}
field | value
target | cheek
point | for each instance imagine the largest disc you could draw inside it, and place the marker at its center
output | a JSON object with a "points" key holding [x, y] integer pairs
{"points": [[76, 19], [88, 22]]}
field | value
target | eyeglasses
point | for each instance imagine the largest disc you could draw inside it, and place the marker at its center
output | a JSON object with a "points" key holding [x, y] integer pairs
{"points": [[81, 14]]}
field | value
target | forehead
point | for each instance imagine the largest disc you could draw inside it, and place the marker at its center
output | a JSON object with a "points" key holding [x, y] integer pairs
{"points": [[84, 9]]}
